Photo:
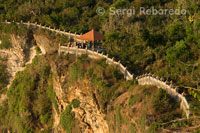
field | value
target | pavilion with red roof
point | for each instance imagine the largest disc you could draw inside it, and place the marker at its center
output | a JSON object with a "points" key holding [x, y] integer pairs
{"points": [[92, 36]]}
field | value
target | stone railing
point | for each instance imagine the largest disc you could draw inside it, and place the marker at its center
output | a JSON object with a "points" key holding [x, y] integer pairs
{"points": [[39, 26], [148, 79], [96, 55], [145, 79]]}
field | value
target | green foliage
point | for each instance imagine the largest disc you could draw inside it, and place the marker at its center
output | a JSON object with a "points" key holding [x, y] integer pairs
{"points": [[67, 119], [178, 52], [132, 100], [3, 77], [75, 72], [179, 124], [133, 128], [194, 93], [14, 28], [195, 107], [38, 50], [120, 4], [51, 93], [3, 114], [119, 119], [176, 32], [162, 102], [75, 103], [5, 41], [31, 87], [142, 122], [154, 127]]}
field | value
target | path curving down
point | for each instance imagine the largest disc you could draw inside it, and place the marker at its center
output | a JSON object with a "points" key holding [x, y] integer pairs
{"points": [[145, 79]]}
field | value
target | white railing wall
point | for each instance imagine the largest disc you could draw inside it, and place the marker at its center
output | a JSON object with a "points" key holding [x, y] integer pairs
{"points": [[94, 54], [39, 26], [146, 79], [149, 80]]}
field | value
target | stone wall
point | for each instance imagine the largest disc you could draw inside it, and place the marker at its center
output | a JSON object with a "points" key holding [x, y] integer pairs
{"points": [[146, 79], [39, 26], [96, 55], [150, 80]]}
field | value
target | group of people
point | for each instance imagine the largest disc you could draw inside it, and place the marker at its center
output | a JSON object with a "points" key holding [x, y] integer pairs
{"points": [[85, 45]]}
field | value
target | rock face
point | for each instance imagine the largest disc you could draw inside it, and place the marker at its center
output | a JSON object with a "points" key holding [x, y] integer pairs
{"points": [[88, 113], [46, 45], [90, 117], [19, 55]]}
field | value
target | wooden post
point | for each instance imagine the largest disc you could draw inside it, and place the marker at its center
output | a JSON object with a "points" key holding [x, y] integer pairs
{"points": [[76, 51], [59, 50], [68, 48], [113, 60], [69, 35], [75, 38], [28, 24], [125, 72], [86, 50], [93, 45]]}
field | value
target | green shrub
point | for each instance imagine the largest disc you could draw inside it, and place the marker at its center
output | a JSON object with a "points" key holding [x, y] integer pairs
{"points": [[132, 100], [119, 119], [133, 128], [154, 127], [142, 122], [4, 114], [176, 32], [178, 52], [5, 41], [75, 103], [13, 28], [75, 72], [3, 77], [38, 50], [51, 93], [162, 102], [44, 118], [67, 119], [31, 87]]}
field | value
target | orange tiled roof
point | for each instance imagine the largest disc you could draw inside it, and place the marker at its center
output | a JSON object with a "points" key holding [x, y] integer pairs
{"points": [[92, 36]]}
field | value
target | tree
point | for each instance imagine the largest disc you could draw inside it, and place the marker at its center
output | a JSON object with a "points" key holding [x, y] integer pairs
{"points": [[176, 32], [180, 51]]}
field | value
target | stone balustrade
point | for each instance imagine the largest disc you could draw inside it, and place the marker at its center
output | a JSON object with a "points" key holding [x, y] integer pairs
{"points": [[145, 79]]}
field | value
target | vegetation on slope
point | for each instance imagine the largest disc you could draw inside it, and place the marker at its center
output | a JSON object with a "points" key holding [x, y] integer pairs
{"points": [[67, 119], [3, 75], [129, 107], [106, 80], [3, 78], [146, 109], [30, 99]]}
